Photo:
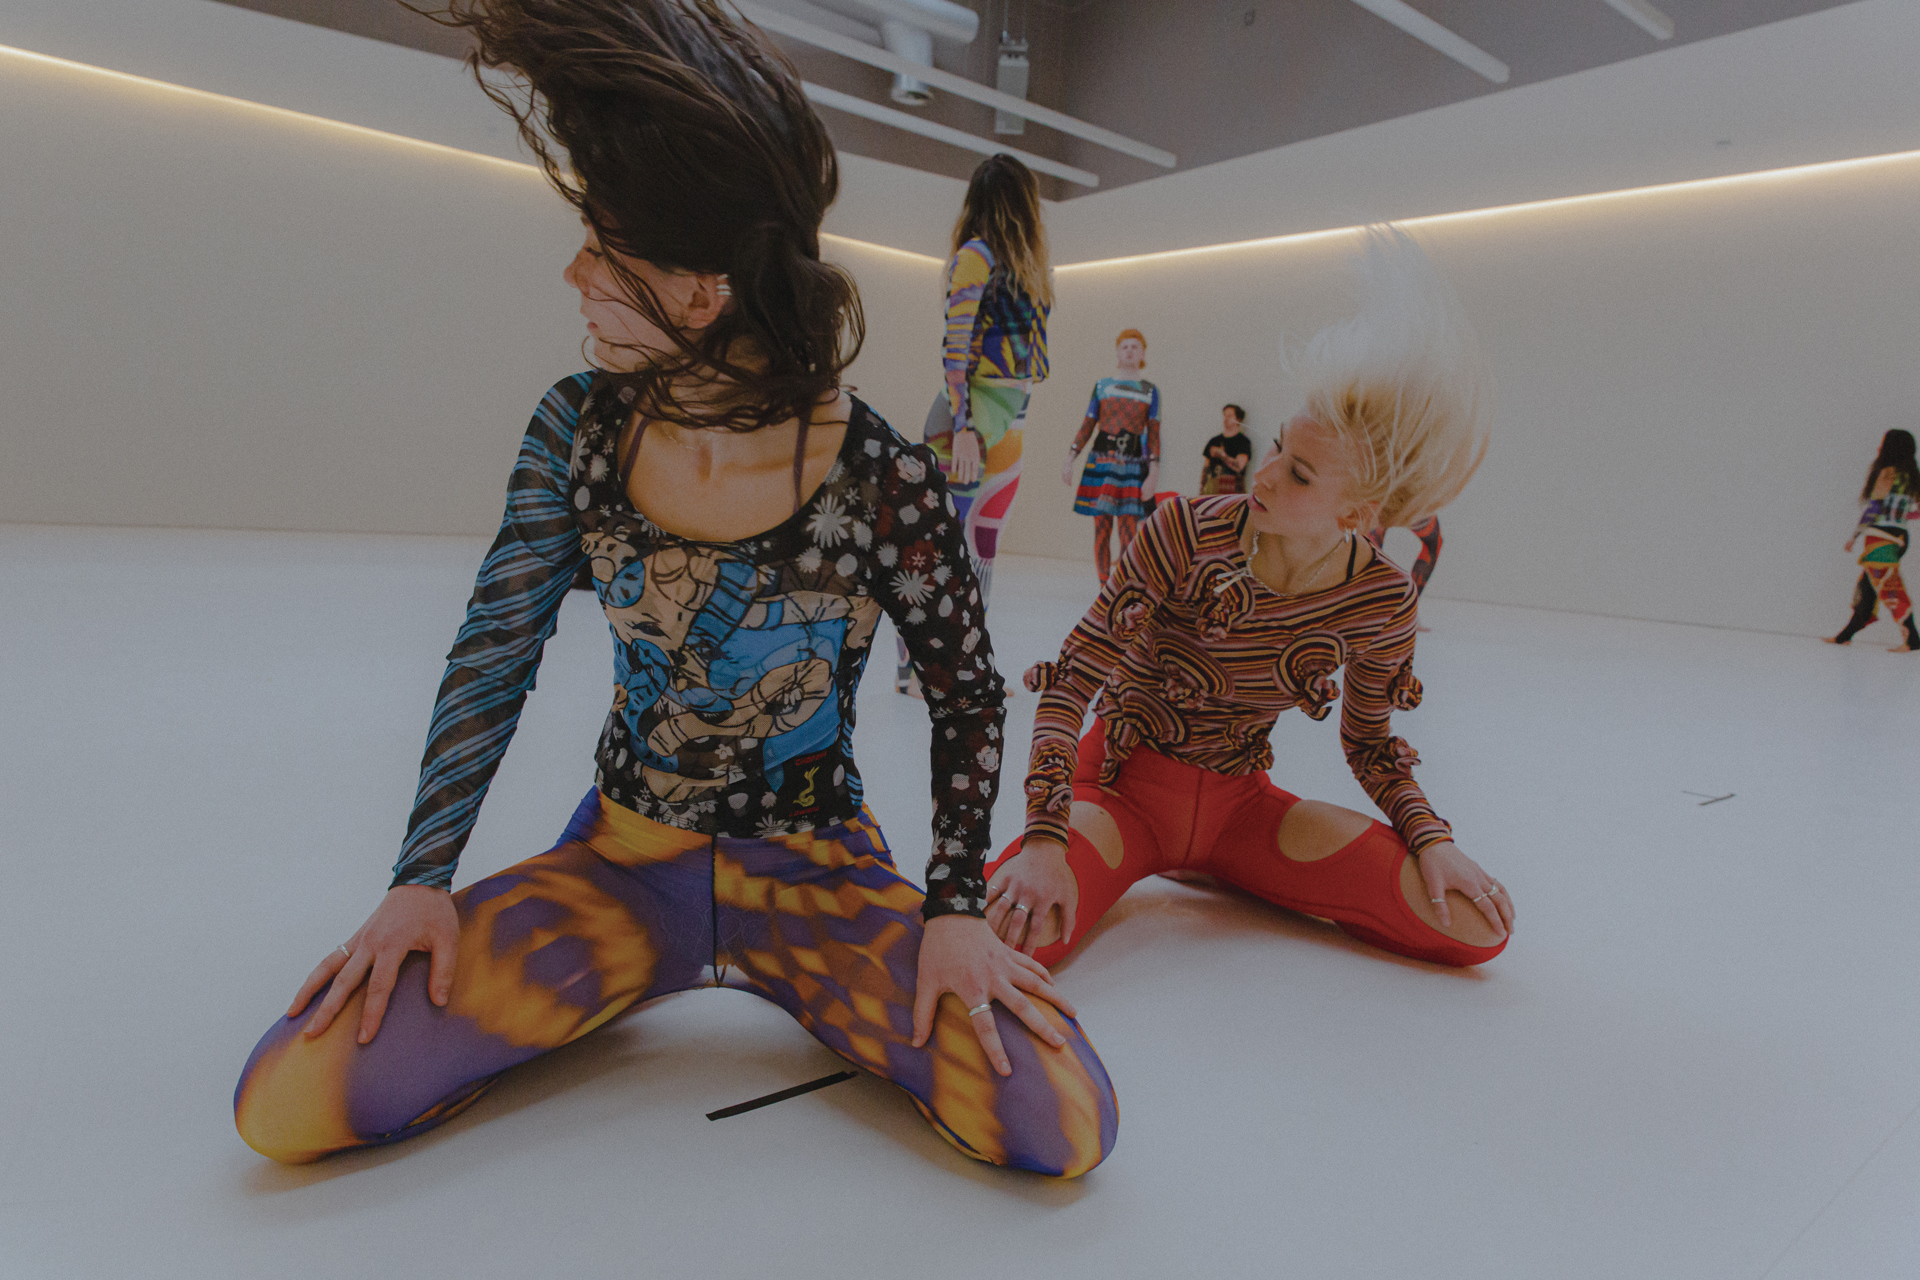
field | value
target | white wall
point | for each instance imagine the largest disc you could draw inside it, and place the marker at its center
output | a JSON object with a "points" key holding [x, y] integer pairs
{"points": [[212, 315], [1690, 388]]}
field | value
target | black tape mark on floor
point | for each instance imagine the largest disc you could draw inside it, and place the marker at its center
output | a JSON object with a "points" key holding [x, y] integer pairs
{"points": [[756, 1103], [1710, 799]]}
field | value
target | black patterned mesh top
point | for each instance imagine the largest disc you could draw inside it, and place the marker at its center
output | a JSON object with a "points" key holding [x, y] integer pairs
{"points": [[736, 663]]}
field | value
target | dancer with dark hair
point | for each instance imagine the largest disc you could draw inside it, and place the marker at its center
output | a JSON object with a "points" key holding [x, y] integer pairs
{"points": [[999, 291], [1123, 467], [746, 522], [1224, 469], [1890, 494], [1225, 612]]}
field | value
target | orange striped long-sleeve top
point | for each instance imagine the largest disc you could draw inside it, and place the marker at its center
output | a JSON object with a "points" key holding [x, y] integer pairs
{"points": [[1189, 655]]}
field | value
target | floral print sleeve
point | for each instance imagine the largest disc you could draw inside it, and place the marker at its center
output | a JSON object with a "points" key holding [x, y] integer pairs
{"points": [[1380, 681], [1147, 575], [925, 581], [516, 601]]}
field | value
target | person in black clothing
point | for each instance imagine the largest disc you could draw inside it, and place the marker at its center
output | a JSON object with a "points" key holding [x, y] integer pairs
{"points": [[1227, 455]]}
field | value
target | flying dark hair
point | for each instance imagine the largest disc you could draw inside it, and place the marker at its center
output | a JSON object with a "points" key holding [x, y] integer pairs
{"points": [[685, 141], [1002, 207], [1239, 414], [1896, 451]]}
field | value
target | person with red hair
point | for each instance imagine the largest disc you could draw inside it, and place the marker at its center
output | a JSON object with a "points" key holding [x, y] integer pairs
{"points": [[1123, 424]]}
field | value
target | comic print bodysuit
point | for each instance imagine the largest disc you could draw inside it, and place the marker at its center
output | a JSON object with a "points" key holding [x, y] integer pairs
{"points": [[736, 663]]}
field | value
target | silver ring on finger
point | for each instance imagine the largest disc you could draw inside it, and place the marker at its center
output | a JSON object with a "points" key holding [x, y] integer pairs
{"points": [[345, 950], [985, 1006], [1484, 897], [1021, 906]]}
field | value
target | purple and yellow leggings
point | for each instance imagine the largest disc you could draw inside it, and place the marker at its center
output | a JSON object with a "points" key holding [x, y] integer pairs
{"points": [[624, 909]]}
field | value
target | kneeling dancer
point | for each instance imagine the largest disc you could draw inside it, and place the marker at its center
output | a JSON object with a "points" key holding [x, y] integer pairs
{"points": [[746, 522], [1226, 611]]}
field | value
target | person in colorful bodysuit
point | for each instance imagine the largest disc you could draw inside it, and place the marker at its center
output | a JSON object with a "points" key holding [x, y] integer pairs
{"points": [[1226, 611], [999, 291], [745, 523], [1224, 468], [1123, 468], [1890, 495]]}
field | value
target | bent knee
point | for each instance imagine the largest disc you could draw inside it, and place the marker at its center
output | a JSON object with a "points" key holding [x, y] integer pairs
{"points": [[290, 1104]]}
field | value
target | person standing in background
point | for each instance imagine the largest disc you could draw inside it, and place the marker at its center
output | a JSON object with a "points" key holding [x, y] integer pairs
{"points": [[1892, 488], [1227, 455], [1123, 422], [999, 291]]}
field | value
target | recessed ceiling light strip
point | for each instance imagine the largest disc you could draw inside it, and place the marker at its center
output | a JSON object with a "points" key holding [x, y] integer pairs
{"points": [[1791, 173], [288, 114]]}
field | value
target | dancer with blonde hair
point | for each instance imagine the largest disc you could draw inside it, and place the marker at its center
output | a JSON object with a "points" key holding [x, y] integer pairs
{"points": [[1228, 610]]}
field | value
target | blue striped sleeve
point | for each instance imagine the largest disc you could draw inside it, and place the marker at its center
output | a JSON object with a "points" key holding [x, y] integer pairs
{"points": [[515, 604]]}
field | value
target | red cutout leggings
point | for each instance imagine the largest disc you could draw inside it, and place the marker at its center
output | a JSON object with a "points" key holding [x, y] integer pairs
{"points": [[1177, 817]]}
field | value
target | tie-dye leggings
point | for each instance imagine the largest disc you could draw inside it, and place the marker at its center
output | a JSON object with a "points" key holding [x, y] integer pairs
{"points": [[624, 909]]}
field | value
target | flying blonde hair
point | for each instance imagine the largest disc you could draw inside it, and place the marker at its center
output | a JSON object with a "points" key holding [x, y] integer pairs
{"points": [[1402, 383]]}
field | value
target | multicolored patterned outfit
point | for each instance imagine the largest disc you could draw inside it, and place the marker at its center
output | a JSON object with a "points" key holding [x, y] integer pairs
{"points": [[727, 828], [1187, 660], [1123, 422], [996, 337], [1883, 530]]}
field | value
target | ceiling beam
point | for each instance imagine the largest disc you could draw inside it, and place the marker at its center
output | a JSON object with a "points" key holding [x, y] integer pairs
{"points": [[959, 86], [1646, 17], [1428, 32], [941, 133]]}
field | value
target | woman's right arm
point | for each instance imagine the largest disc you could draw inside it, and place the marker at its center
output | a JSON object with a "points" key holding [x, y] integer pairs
{"points": [[967, 276], [511, 615], [1146, 574]]}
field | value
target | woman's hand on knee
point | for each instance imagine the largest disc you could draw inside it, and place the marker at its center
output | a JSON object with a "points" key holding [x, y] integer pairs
{"points": [[411, 917], [1443, 867], [1032, 897], [961, 955]]}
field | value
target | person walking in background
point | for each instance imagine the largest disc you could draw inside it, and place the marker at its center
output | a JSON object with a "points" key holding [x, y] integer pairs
{"points": [[999, 291], [1227, 455], [1891, 490], [1123, 423]]}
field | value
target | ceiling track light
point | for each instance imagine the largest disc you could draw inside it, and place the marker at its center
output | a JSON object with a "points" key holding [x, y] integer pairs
{"points": [[1430, 33], [1646, 17], [961, 87], [941, 133]]}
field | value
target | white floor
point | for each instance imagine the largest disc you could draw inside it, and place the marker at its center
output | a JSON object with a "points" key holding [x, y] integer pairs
{"points": [[1700, 1058]]}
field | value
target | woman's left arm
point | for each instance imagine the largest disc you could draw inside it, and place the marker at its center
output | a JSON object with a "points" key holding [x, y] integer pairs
{"points": [[926, 583], [1380, 680]]}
